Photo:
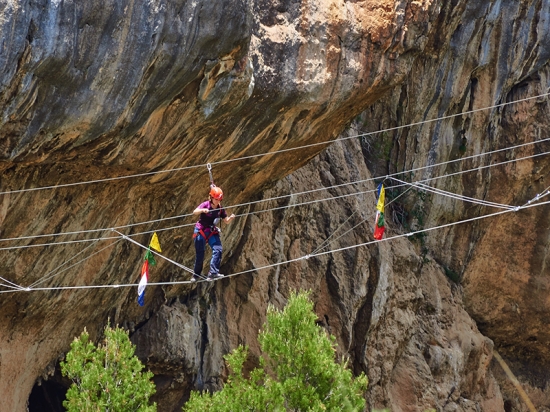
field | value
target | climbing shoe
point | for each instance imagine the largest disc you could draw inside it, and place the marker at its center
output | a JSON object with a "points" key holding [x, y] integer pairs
{"points": [[214, 276]]}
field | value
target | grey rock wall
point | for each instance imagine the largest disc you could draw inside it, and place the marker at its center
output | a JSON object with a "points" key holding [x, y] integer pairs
{"points": [[99, 90]]}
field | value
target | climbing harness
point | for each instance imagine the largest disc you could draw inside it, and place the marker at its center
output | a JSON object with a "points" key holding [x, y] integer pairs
{"points": [[214, 230]]}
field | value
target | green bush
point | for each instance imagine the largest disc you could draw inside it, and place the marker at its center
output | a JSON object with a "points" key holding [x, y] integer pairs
{"points": [[108, 377], [297, 372]]}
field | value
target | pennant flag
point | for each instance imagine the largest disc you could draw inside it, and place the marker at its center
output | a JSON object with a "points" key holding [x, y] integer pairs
{"points": [[149, 257], [143, 282], [381, 198], [148, 260], [155, 243], [379, 227]]}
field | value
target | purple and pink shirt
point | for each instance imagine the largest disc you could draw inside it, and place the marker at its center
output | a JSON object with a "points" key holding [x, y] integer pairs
{"points": [[206, 220]]}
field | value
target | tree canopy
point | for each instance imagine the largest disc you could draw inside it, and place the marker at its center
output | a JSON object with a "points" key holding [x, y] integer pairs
{"points": [[108, 377], [298, 369]]}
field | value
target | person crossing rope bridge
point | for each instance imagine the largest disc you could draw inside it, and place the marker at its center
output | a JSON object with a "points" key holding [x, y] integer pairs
{"points": [[206, 231], [528, 205]]}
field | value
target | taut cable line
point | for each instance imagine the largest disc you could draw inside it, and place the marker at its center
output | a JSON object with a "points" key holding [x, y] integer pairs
{"points": [[266, 200], [52, 273], [441, 192], [526, 206], [146, 174], [322, 246]]}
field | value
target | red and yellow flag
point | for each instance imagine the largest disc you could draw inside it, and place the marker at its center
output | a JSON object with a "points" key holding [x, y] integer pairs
{"points": [[379, 227]]}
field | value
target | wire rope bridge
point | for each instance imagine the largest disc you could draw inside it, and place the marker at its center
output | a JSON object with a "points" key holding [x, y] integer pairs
{"points": [[116, 233]]}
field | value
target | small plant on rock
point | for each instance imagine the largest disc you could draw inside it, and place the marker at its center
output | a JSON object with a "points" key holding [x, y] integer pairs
{"points": [[108, 377]]}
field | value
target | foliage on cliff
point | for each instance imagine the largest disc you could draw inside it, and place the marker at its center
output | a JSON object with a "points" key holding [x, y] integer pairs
{"points": [[298, 369], [108, 377]]}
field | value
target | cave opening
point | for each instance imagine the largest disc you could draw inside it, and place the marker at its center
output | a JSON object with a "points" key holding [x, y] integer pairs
{"points": [[47, 396]]}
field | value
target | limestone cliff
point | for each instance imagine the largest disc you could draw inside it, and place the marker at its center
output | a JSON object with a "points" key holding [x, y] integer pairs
{"points": [[95, 91]]}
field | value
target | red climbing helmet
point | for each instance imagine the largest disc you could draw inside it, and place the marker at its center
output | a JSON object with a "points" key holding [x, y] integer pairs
{"points": [[216, 193]]}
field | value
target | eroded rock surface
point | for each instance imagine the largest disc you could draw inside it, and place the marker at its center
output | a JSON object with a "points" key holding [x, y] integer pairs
{"points": [[94, 91], [502, 261]]}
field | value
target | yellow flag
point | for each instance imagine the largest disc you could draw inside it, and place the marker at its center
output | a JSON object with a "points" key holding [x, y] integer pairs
{"points": [[381, 198], [155, 243]]}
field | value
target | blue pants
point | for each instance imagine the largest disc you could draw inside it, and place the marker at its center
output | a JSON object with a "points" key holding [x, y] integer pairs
{"points": [[216, 245]]}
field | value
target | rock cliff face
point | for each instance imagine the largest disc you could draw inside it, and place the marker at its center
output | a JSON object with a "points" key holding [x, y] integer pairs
{"points": [[95, 91]]}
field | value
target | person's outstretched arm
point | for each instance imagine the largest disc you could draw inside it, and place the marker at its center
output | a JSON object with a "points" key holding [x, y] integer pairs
{"points": [[200, 210]]}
